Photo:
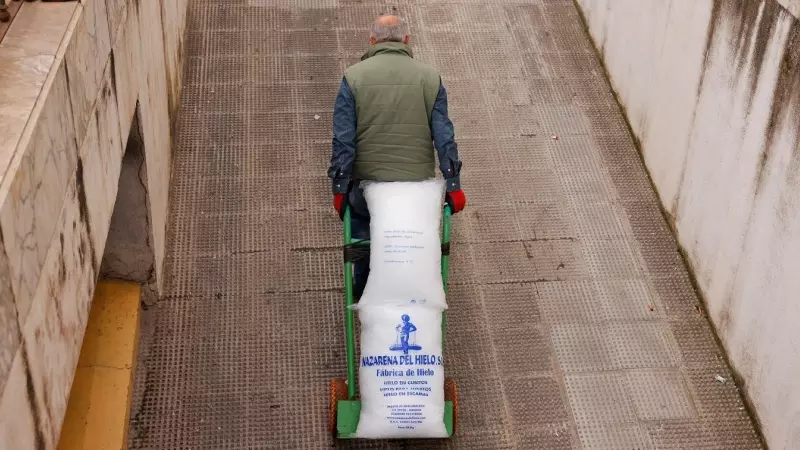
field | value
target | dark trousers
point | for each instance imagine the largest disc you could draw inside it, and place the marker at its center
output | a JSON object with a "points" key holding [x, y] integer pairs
{"points": [[359, 227]]}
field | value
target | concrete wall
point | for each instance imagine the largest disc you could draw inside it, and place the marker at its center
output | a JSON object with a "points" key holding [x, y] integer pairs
{"points": [[129, 253], [712, 92], [71, 77]]}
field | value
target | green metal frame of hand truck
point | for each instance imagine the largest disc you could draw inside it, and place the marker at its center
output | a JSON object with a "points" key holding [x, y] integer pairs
{"points": [[345, 408]]}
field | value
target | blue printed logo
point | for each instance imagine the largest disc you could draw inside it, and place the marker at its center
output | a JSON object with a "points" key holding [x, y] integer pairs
{"points": [[406, 337]]}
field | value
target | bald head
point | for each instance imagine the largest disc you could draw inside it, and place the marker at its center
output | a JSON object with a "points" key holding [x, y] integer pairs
{"points": [[387, 21], [389, 29]]}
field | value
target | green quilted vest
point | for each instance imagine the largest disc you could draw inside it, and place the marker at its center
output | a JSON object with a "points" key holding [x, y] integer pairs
{"points": [[394, 96]]}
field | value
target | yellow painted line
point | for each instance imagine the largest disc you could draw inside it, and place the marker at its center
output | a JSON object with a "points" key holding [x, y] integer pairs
{"points": [[99, 403]]}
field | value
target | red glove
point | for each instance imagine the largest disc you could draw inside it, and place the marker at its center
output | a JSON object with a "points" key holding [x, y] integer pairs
{"points": [[457, 200], [339, 204]]}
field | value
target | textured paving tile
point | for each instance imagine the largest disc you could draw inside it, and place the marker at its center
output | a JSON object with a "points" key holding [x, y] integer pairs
{"points": [[568, 302], [536, 402], [660, 395], [511, 305], [521, 351], [552, 439], [572, 321], [615, 437], [599, 398]]}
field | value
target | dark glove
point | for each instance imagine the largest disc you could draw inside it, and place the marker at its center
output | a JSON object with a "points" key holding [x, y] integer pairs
{"points": [[457, 200], [340, 204]]}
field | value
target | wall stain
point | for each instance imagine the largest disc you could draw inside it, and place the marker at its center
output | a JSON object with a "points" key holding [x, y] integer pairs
{"points": [[711, 33], [54, 288], [752, 24], [750, 40], [57, 286], [62, 272], [82, 253], [31, 397], [84, 215], [113, 69], [785, 110]]}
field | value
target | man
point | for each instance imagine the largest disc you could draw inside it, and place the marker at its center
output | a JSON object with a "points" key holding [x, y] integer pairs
{"points": [[390, 114]]}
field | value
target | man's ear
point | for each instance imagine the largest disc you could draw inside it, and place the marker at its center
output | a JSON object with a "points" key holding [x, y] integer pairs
{"points": [[373, 41]]}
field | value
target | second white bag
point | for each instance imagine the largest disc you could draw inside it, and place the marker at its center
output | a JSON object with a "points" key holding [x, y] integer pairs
{"points": [[401, 373], [405, 250]]}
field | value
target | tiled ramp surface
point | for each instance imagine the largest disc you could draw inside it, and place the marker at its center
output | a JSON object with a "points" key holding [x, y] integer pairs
{"points": [[573, 320]]}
